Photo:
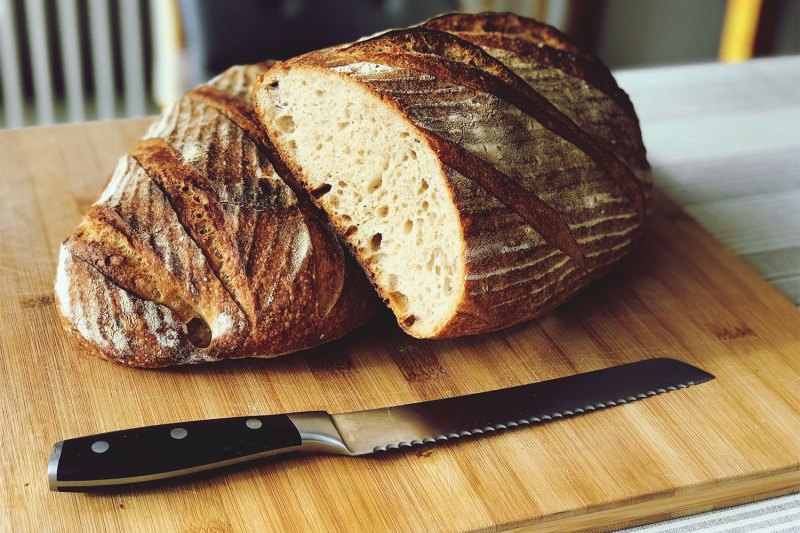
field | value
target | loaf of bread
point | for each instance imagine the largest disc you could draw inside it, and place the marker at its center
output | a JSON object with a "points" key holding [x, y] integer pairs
{"points": [[482, 168], [203, 246]]}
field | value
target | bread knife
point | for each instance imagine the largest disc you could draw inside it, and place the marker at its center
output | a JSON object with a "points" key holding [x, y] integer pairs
{"points": [[153, 453]]}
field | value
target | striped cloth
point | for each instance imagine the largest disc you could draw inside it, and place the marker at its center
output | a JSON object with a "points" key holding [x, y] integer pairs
{"points": [[724, 142], [776, 515]]}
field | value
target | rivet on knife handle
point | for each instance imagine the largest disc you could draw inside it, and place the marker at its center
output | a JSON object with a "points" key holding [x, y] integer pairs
{"points": [[171, 450]]}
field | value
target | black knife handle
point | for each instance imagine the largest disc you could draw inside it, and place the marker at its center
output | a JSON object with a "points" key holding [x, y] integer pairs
{"points": [[168, 450]]}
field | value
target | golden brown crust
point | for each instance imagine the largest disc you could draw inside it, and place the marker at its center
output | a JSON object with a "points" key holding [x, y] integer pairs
{"points": [[199, 249], [528, 43], [127, 329], [199, 211], [542, 217], [509, 25], [105, 242], [593, 72], [329, 260]]}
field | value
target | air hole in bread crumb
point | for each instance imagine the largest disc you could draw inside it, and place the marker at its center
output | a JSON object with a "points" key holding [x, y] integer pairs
{"points": [[319, 92], [285, 123], [341, 125], [375, 184], [409, 321], [349, 231], [404, 134], [423, 187], [345, 218], [375, 242], [399, 301], [383, 211], [321, 191], [198, 332], [408, 226], [425, 205]]}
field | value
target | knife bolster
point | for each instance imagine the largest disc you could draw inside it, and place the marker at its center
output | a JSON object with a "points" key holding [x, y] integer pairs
{"points": [[318, 433]]}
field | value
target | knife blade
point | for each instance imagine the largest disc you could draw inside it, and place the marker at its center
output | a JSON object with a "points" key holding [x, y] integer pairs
{"points": [[165, 451]]}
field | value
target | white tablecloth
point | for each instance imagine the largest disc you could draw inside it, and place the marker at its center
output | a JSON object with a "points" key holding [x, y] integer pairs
{"points": [[724, 142]]}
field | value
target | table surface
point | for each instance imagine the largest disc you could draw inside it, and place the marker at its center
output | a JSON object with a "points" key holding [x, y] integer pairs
{"points": [[723, 140], [724, 143]]}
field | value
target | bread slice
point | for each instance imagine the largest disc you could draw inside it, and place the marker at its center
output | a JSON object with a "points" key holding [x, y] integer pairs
{"points": [[471, 200], [203, 246]]}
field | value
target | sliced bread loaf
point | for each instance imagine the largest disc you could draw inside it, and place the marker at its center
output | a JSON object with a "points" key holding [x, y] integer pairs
{"points": [[473, 201]]}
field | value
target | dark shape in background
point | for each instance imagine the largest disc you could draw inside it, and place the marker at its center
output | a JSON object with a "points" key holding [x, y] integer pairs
{"points": [[220, 34]]}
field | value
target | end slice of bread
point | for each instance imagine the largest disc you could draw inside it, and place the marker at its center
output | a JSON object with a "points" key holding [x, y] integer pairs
{"points": [[381, 183], [204, 247]]}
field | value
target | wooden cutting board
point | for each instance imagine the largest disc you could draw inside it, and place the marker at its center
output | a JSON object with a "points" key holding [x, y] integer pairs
{"points": [[681, 294]]}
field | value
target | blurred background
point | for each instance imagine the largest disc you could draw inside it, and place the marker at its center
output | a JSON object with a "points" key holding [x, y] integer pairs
{"points": [[77, 60]]}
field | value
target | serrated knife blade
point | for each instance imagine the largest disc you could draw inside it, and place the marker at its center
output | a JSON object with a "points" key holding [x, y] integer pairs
{"points": [[153, 453]]}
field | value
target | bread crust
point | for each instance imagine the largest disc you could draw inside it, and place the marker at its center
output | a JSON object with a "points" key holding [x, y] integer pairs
{"points": [[533, 51], [203, 248], [519, 263], [541, 43]]}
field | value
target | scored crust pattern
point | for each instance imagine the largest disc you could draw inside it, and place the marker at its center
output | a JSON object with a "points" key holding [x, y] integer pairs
{"points": [[203, 246]]}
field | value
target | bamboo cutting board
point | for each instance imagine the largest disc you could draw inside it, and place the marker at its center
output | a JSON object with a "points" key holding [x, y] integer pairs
{"points": [[681, 294]]}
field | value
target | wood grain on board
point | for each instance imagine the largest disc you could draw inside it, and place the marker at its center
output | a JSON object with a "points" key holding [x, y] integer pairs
{"points": [[681, 294]]}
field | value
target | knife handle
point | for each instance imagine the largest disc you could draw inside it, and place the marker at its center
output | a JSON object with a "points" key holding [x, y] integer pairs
{"points": [[165, 451]]}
